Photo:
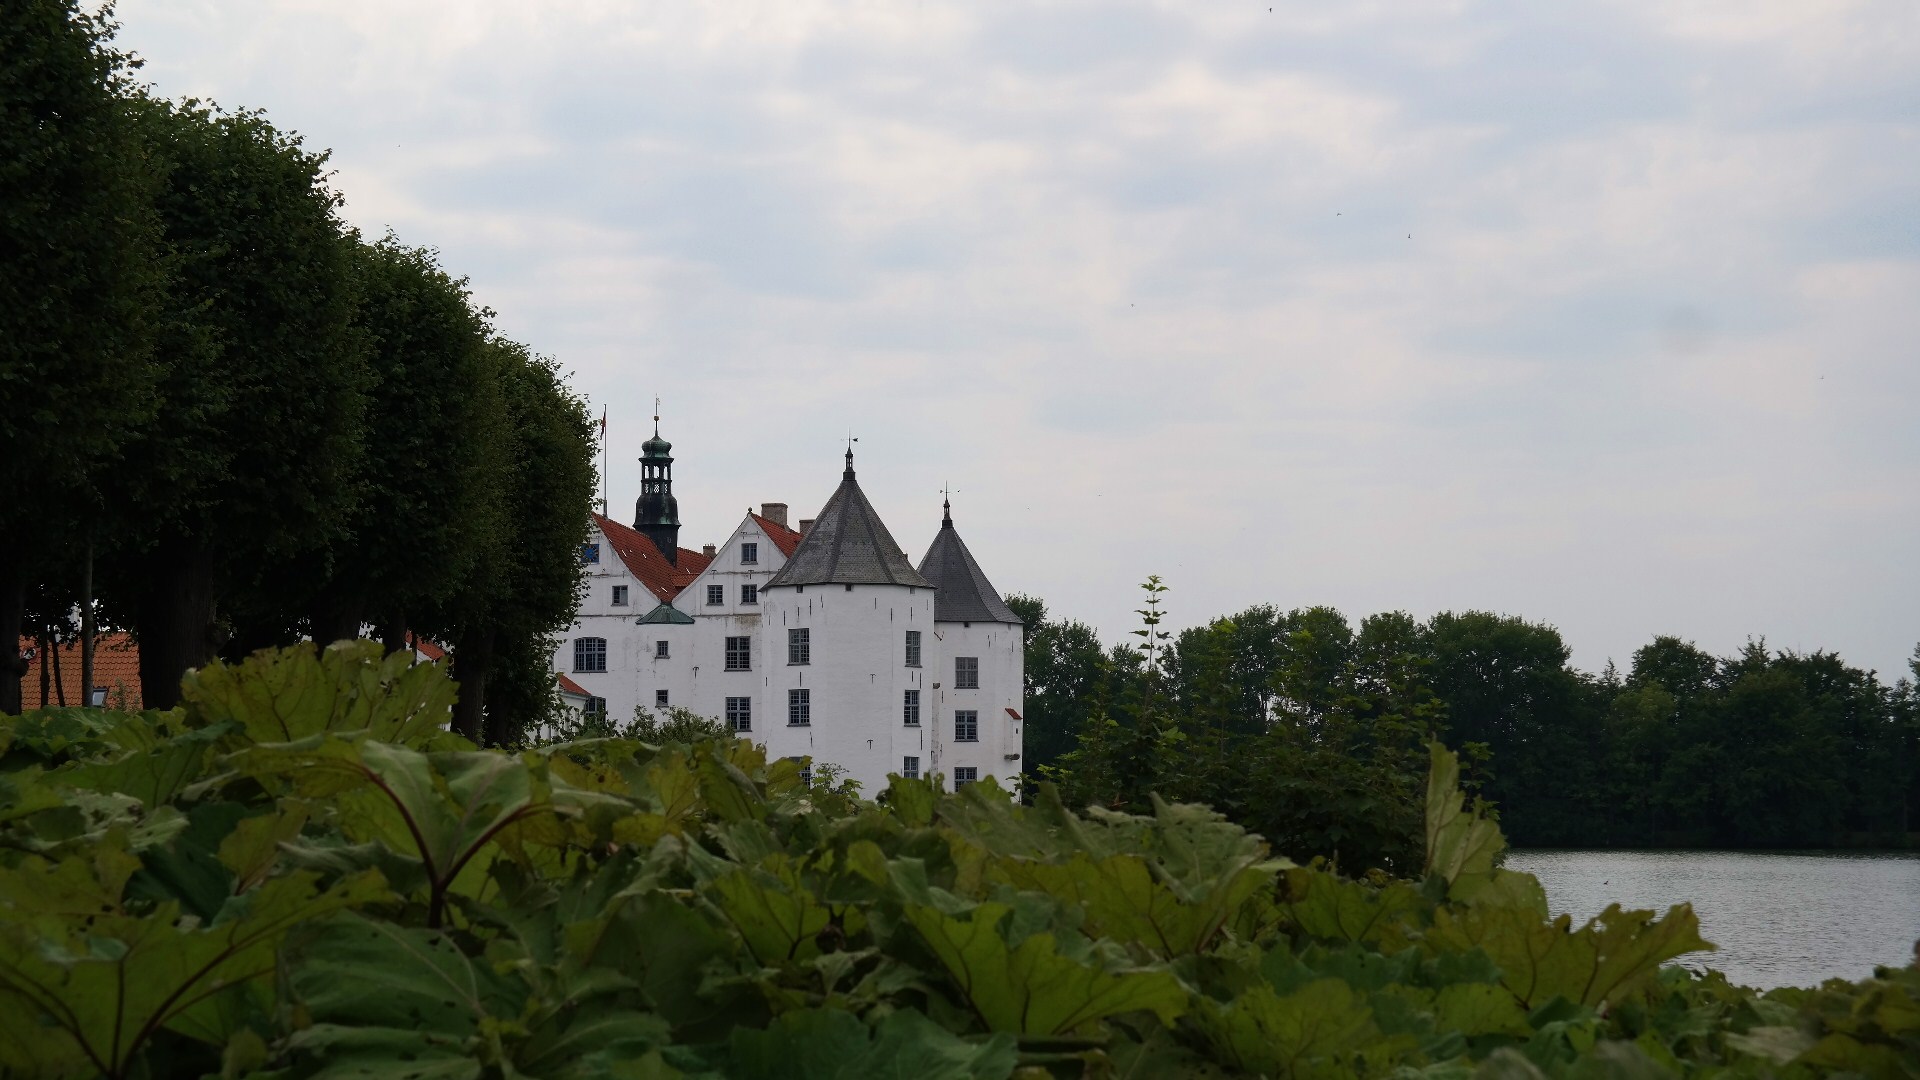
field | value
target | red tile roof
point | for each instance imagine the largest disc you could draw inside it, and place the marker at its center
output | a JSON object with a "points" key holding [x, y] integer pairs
{"points": [[426, 648], [570, 687], [116, 666], [783, 538], [644, 561]]}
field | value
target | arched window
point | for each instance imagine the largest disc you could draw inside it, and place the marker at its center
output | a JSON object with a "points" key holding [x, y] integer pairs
{"points": [[590, 654]]}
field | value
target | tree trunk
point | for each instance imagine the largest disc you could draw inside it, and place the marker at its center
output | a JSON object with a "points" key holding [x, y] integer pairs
{"points": [[59, 680], [334, 619], [175, 621], [472, 658], [46, 671], [13, 610], [393, 634], [86, 629]]}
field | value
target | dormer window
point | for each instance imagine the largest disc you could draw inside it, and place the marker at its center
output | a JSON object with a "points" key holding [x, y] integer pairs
{"points": [[749, 553]]}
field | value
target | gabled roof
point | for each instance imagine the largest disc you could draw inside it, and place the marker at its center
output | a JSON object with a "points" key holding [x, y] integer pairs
{"points": [[783, 538], [644, 561], [847, 544], [665, 614], [963, 593], [568, 686], [116, 666]]}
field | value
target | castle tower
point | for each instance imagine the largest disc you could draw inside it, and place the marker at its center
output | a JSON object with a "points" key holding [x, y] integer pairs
{"points": [[847, 647], [981, 681], [656, 515]]}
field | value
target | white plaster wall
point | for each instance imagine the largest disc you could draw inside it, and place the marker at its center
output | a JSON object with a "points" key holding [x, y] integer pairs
{"points": [[999, 648], [598, 616], [858, 677], [708, 684]]}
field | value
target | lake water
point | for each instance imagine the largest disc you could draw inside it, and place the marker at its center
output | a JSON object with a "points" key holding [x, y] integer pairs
{"points": [[1779, 918]]}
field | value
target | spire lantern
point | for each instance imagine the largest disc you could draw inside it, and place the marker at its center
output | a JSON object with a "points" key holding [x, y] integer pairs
{"points": [[656, 515]]}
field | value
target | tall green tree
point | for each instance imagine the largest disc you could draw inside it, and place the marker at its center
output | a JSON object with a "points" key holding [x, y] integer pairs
{"points": [[250, 461], [1066, 677], [80, 280], [427, 499], [527, 586]]}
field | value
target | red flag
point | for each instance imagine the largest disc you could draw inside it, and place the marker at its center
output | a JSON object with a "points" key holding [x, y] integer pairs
{"points": [[603, 421]]}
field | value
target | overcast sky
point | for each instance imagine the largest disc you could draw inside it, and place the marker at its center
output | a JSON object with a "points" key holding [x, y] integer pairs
{"points": [[1600, 314]]}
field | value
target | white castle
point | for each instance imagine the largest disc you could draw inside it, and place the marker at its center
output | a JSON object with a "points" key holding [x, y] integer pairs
{"points": [[822, 643]]}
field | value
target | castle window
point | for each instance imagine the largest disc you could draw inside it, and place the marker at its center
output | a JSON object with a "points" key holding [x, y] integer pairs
{"points": [[964, 775], [806, 771], [659, 650], [800, 646], [910, 768], [910, 710], [799, 708], [749, 553], [739, 654], [590, 654], [913, 648], [716, 594], [619, 596], [966, 673], [739, 714], [590, 554], [966, 726], [749, 594], [659, 699]]}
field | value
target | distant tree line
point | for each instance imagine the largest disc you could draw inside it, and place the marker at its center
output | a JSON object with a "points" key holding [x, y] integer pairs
{"points": [[231, 421], [1307, 729]]}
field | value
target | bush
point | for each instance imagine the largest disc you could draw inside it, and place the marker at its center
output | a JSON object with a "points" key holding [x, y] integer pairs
{"points": [[301, 873]]}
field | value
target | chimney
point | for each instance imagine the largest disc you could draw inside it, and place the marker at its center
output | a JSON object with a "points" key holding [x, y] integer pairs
{"points": [[707, 550], [806, 524], [775, 512]]}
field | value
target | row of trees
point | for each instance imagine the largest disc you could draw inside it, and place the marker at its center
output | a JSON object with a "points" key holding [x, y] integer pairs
{"points": [[233, 420], [1309, 730]]}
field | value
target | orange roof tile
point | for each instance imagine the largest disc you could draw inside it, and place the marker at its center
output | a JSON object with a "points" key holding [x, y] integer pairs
{"points": [[426, 648], [569, 686], [783, 538], [644, 561], [116, 666]]}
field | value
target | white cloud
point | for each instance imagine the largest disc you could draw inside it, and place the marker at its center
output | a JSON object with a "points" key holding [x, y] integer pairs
{"points": [[1381, 304]]}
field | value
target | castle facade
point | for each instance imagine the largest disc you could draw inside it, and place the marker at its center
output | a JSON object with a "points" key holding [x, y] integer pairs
{"points": [[820, 642]]}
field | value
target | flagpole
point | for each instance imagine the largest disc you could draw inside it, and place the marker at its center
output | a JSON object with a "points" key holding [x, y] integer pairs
{"points": [[605, 491]]}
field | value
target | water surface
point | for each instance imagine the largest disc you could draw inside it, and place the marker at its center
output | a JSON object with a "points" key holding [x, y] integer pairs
{"points": [[1779, 918]]}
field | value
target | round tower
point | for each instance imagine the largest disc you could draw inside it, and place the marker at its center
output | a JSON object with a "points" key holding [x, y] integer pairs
{"points": [[656, 515]]}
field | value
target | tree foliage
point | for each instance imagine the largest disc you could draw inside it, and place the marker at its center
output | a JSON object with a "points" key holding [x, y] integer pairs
{"points": [[81, 274], [268, 428], [247, 465], [1310, 732], [300, 872]]}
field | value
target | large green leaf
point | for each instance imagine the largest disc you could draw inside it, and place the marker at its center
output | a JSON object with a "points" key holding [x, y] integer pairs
{"points": [[822, 1044], [1606, 959], [1303, 1034], [359, 972], [1125, 900], [1322, 905], [290, 694], [1462, 845], [109, 984], [1033, 988]]}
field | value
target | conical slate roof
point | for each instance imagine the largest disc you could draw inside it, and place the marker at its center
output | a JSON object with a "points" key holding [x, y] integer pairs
{"points": [[962, 593], [848, 544]]}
